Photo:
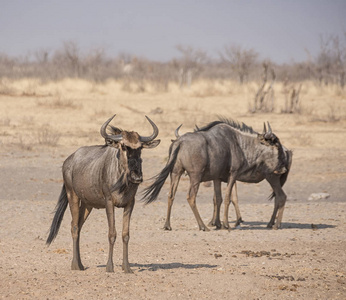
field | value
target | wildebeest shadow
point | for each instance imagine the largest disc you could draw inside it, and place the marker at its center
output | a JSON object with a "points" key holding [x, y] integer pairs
{"points": [[167, 266], [285, 225], [170, 266]]}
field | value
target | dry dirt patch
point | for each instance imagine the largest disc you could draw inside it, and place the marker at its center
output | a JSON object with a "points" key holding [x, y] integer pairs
{"points": [[304, 260]]}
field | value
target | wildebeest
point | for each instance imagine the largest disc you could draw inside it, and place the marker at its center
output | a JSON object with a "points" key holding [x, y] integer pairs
{"points": [[103, 176], [225, 151]]}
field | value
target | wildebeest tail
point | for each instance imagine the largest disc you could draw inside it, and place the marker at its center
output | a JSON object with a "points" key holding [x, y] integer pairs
{"points": [[151, 193], [59, 214], [284, 176]]}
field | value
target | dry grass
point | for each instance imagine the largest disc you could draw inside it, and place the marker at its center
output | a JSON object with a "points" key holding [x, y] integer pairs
{"points": [[5, 121], [24, 145], [78, 107], [48, 136], [6, 88]]}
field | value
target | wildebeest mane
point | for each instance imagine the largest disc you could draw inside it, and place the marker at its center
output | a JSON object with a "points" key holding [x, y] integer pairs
{"points": [[121, 185], [222, 120]]}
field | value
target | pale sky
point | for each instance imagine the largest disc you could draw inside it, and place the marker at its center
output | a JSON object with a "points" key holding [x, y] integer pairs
{"points": [[280, 30]]}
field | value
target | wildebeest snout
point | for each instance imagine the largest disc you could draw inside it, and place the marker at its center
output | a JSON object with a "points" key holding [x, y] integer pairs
{"points": [[136, 177], [135, 170]]}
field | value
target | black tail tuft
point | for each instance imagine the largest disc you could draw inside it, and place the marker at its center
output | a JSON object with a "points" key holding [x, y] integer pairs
{"points": [[151, 193], [59, 214], [284, 176]]}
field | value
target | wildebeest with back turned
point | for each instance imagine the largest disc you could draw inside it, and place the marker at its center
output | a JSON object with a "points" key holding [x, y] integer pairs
{"points": [[225, 151], [103, 177]]}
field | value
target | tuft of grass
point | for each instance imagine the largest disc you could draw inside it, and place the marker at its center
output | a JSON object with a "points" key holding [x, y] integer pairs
{"points": [[59, 102], [331, 116], [5, 88], [47, 136], [23, 145]]}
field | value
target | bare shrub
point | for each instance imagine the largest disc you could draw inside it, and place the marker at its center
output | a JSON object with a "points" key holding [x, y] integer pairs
{"points": [[24, 145], [302, 139], [264, 98], [292, 97], [331, 116], [48, 136]]}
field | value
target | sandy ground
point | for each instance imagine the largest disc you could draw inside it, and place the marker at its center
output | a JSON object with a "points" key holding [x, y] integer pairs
{"points": [[304, 260]]}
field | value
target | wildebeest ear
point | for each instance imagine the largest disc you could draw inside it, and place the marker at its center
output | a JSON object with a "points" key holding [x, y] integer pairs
{"points": [[115, 130], [151, 144], [262, 139], [112, 143]]}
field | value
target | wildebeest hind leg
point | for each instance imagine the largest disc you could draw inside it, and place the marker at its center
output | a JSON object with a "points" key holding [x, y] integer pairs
{"points": [[75, 230], [194, 185], [230, 185], [175, 177], [279, 206], [217, 200], [234, 199], [272, 219]]}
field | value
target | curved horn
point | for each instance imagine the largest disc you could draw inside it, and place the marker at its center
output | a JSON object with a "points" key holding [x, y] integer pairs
{"points": [[264, 128], [153, 136], [116, 138], [269, 128], [269, 133], [176, 132]]}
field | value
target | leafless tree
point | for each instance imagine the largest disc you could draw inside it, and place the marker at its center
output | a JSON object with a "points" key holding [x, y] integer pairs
{"points": [[331, 61], [190, 64], [68, 59], [240, 60]]}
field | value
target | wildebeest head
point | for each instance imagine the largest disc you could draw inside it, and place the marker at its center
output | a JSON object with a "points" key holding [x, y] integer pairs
{"points": [[130, 145], [268, 138]]}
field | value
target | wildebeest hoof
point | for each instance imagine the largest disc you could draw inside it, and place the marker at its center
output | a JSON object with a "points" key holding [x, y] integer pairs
{"points": [[110, 269], [239, 221], [276, 227], [218, 226], [204, 228], [224, 226], [78, 267], [169, 228], [127, 269], [211, 223]]}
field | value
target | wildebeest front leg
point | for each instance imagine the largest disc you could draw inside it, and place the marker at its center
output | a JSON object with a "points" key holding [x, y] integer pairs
{"points": [[230, 184], [217, 200], [112, 234], [192, 201], [126, 236]]}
